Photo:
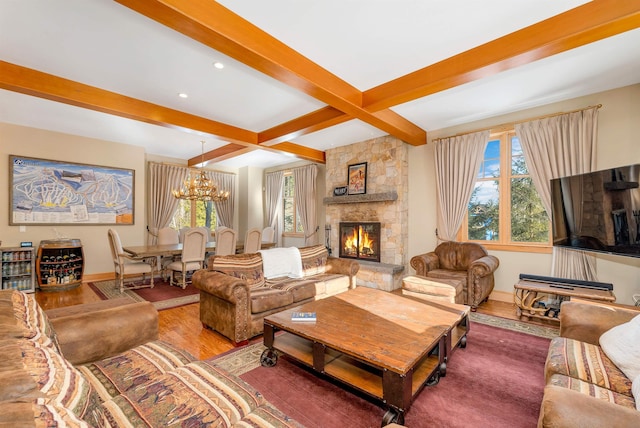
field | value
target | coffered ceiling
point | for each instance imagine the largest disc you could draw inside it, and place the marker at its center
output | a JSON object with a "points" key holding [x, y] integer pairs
{"points": [[299, 77]]}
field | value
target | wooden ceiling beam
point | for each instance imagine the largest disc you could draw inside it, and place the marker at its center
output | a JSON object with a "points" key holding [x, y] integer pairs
{"points": [[577, 27], [36, 83], [215, 26], [42, 85], [323, 118], [306, 153], [221, 153]]}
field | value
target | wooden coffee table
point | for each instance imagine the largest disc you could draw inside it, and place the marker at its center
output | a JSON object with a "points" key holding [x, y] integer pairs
{"points": [[381, 344]]}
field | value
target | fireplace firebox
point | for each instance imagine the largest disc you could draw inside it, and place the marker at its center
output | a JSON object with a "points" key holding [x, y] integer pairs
{"points": [[360, 241]]}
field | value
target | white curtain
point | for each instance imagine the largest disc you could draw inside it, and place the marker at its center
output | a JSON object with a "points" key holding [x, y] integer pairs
{"points": [[273, 202], [305, 195], [555, 147], [162, 204], [224, 209], [457, 161]]}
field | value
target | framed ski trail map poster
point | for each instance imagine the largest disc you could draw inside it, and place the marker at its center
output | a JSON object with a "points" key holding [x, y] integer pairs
{"points": [[48, 192]]}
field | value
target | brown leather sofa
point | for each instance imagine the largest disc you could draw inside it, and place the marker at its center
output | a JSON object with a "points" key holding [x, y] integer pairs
{"points": [[584, 388], [101, 364], [235, 296], [464, 261]]}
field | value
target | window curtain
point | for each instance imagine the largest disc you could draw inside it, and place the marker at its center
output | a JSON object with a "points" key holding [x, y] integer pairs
{"points": [[560, 146], [162, 204], [273, 202], [224, 209], [305, 197], [457, 162]]}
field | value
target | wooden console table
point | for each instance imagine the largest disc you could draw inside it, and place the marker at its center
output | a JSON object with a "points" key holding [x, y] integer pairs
{"points": [[528, 294]]}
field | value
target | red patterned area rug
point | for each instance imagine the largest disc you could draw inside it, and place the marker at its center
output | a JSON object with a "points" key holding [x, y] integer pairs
{"points": [[162, 295], [496, 381]]}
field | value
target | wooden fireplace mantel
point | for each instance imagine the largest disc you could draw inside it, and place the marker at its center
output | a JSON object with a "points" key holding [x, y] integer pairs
{"points": [[354, 199]]}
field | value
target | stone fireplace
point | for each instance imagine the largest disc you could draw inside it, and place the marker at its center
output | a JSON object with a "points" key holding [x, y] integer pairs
{"points": [[384, 203], [360, 241]]}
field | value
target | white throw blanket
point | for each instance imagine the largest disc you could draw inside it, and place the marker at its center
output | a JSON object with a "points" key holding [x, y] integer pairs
{"points": [[279, 262]]}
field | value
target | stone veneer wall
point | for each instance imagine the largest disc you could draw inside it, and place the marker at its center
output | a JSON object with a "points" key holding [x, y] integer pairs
{"points": [[387, 171]]}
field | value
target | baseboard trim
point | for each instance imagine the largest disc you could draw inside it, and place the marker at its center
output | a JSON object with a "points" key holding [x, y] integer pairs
{"points": [[501, 296], [94, 277]]}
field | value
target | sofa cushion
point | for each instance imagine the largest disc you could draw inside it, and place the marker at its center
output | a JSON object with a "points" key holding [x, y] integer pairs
{"points": [[195, 395], [314, 260], [592, 390], [300, 289], [38, 413], [279, 262], [115, 375], [587, 362], [247, 267], [622, 345], [329, 284], [266, 299], [635, 390], [32, 318], [459, 275], [57, 379]]}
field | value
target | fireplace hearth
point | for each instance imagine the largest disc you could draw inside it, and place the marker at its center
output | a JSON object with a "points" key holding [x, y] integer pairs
{"points": [[360, 240]]}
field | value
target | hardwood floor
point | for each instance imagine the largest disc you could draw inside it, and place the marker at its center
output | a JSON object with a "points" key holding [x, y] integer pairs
{"points": [[181, 326]]}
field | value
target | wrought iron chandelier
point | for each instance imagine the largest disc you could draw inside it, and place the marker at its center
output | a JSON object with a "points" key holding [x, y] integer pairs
{"points": [[199, 187]]}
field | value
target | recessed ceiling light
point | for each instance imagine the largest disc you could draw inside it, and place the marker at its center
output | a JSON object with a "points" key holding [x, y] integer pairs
{"points": [[183, 95], [218, 65]]}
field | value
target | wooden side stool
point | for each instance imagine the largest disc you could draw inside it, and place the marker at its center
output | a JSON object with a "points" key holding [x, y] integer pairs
{"points": [[448, 290]]}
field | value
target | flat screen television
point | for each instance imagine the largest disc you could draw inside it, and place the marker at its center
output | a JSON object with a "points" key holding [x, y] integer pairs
{"points": [[598, 211]]}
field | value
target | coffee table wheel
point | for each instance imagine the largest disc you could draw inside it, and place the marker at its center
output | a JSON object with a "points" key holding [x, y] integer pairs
{"points": [[443, 369], [433, 380], [392, 416], [269, 358], [463, 342]]}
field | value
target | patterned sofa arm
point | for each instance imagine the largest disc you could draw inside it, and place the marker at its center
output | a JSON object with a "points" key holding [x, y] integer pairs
{"points": [[343, 267], [586, 321], [221, 285], [423, 263]]}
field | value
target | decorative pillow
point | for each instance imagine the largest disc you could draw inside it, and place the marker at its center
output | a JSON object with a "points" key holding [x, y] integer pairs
{"points": [[314, 259], [247, 267], [31, 317], [622, 345], [635, 390]]}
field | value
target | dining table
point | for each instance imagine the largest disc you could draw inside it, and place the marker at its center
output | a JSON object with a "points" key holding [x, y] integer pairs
{"points": [[143, 251]]}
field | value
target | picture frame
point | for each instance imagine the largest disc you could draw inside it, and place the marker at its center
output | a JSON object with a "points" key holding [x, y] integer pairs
{"points": [[51, 192], [357, 179]]}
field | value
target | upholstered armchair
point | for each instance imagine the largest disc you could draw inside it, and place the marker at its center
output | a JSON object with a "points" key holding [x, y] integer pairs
{"points": [[465, 261]]}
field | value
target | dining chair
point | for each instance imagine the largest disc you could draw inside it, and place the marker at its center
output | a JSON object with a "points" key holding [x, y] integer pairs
{"points": [[268, 234], [207, 232], [126, 265], [192, 257], [181, 233], [225, 241], [167, 236], [252, 241]]}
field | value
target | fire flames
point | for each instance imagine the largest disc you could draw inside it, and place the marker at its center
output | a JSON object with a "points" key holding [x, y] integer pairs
{"points": [[359, 242]]}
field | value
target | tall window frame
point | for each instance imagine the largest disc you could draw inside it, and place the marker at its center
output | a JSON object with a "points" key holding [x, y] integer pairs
{"points": [[290, 209], [509, 161]]}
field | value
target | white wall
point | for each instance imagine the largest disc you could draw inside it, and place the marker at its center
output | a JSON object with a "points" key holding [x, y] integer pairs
{"points": [[618, 144]]}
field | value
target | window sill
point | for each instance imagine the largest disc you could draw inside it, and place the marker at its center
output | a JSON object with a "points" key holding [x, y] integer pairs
{"points": [[520, 248]]}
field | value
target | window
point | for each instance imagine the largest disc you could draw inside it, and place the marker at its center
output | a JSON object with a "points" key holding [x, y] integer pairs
{"points": [[505, 208], [291, 216], [194, 214]]}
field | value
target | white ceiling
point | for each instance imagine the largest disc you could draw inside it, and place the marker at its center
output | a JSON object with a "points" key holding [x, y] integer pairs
{"points": [[364, 42]]}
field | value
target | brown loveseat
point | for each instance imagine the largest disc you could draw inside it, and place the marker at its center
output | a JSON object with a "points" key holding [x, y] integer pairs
{"points": [[584, 388], [235, 296], [101, 364], [467, 262]]}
